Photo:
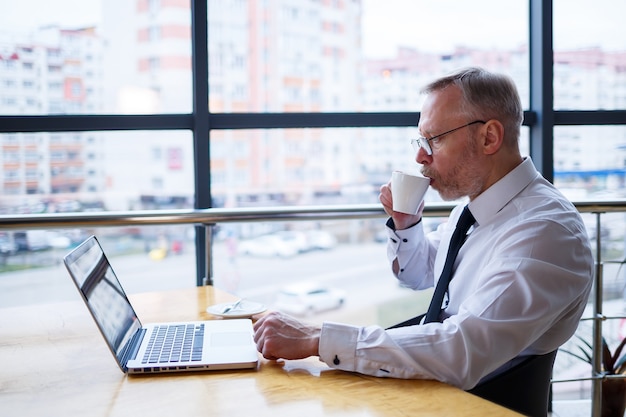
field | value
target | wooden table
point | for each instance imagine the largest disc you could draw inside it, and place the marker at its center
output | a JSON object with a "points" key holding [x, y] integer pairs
{"points": [[53, 362]]}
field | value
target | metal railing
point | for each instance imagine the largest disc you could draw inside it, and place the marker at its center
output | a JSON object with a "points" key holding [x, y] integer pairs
{"points": [[212, 216]]}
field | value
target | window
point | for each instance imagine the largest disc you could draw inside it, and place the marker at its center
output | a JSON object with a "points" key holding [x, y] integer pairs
{"points": [[268, 89], [589, 67]]}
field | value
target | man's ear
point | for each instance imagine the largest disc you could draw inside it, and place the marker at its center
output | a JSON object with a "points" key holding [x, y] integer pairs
{"points": [[492, 135]]}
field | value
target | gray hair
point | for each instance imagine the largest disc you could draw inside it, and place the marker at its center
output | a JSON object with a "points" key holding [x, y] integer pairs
{"points": [[486, 95]]}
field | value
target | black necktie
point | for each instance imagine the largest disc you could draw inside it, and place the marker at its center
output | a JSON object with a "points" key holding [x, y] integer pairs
{"points": [[458, 237]]}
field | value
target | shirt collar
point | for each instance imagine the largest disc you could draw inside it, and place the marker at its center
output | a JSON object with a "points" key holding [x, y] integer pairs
{"points": [[494, 198]]}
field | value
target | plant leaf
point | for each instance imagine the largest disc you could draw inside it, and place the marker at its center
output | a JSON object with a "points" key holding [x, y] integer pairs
{"points": [[585, 348], [607, 359], [618, 352], [584, 358], [585, 342], [619, 366], [587, 354]]}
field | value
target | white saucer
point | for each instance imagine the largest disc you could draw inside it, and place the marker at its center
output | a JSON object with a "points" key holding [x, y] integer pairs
{"points": [[244, 310]]}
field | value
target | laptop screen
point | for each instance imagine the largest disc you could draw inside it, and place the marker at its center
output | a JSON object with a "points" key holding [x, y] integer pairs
{"points": [[103, 294]]}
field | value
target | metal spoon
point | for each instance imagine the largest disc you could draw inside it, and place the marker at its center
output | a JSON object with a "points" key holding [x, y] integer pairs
{"points": [[232, 306]]}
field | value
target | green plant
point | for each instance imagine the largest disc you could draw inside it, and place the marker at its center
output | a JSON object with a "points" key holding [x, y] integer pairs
{"points": [[612, 363], [613, 390]]}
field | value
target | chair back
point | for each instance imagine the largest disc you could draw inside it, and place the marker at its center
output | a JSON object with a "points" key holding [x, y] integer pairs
{"points": [[524, 388]]}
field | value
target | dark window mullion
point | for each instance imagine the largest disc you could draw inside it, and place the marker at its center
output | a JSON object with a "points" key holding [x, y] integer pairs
{"points": [[83, 123], [590, 117], [542, 86], [201, 129]]}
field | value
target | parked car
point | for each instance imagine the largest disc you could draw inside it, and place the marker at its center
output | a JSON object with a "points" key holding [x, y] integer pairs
{"points": [[31, 240], [267, 246], [7, 245], [296, 239], [58, 241], [320, 240], [308, 298]]}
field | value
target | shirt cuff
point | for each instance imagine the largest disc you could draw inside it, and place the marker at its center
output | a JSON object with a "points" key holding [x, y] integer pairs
{"points": [[337, 346], [401, 244]]}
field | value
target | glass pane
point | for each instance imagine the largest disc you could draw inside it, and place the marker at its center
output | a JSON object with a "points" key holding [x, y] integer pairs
{"points": [[339, 270], [589, 60], [590, 161], [145, 258], [68, 57], [94, 171], [263, 56], [306, 166], [369, 55], [310, 166]]}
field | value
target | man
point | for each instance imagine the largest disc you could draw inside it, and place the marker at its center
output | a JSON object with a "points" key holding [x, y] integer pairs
{"points": [[521, 278]]}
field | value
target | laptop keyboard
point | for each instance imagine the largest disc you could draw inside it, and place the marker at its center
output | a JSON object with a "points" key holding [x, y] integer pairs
{"points": [[175, 343]]}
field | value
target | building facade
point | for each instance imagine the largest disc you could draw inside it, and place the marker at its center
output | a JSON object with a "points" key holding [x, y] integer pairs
{"points": [[270, 56]]}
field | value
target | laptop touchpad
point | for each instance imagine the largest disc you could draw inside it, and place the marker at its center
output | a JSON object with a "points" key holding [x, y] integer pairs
{"points": [[225, 339]]}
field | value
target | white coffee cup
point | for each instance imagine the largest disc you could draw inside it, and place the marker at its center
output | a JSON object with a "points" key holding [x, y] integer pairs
{"points": [[407, 191]]}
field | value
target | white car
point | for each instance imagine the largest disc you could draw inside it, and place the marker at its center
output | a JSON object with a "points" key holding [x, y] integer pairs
{"points": [[321, 240], [7, 246], [308, 298], [58, 241], [267, 246], [296, 239]]}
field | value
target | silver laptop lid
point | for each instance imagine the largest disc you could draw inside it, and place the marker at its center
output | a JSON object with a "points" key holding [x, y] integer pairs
{"points": [[104, 296]]}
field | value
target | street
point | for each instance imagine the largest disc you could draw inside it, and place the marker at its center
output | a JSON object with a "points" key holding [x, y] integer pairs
{"points": [[361, 270]]}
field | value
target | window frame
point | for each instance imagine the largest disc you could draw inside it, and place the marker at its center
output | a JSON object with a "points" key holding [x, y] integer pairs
{"points": [[540, 118]]}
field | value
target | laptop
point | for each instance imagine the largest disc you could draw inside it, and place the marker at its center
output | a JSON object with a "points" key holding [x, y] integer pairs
{"points": [[156, 347]]}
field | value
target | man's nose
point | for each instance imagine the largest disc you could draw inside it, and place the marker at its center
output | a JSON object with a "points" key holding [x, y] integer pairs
{"points": [[422, 157]]}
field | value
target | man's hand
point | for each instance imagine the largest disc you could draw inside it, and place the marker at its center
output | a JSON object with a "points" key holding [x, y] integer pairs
{"points": [[400, 220], [279, 336]]}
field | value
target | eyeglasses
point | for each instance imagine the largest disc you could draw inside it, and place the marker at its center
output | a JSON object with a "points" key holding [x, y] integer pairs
{"points": [[424, 143]]}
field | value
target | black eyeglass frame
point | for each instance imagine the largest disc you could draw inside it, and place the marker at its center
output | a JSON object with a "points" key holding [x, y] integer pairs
{"points": [[424, 143]]}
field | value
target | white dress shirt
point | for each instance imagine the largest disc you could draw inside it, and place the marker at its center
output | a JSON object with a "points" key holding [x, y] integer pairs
{"points": [[521, 283]]}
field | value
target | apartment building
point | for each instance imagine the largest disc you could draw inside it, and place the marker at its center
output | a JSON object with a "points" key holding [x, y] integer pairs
{"points": [[52, 70], [271, 56]]}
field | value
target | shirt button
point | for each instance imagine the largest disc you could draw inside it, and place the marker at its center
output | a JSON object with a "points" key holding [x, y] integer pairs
{"points": [[336, 361], [405, 240]]}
